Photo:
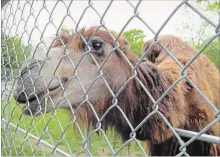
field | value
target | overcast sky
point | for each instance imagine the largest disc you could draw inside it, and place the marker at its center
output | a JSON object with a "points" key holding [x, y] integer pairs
{"points": [[154, 13]]}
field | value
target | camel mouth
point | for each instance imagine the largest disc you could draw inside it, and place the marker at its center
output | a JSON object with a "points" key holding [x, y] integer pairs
{"points": [[53, 88], [34, 106]]}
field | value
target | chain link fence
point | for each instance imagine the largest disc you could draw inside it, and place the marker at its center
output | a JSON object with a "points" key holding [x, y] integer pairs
{"points": [[50, 74]]}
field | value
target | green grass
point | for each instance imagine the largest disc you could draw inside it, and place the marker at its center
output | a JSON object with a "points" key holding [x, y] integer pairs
{"points": [[56, 129]]}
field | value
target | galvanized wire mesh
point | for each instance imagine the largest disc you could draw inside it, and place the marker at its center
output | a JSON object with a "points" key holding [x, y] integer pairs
{"points": [[20, 137]]}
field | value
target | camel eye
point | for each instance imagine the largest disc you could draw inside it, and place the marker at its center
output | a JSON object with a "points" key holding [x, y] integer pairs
{"points": [[96, 45]]}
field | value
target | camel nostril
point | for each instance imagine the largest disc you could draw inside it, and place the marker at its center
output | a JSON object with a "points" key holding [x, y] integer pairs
{"points": [[64, 80]]}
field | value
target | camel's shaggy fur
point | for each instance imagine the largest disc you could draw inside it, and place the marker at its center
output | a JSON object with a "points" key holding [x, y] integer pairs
{"points": [[196, 113]]}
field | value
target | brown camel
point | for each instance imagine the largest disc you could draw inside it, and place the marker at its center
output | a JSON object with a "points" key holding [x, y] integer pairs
{"points": [[70, 78]]}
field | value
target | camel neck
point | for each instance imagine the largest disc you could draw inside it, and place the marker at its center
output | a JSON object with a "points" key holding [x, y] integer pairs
{"points": [[135, 102]]}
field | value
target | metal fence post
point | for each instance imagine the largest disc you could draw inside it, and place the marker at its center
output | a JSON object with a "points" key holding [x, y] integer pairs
{"points": [[5, 106]]}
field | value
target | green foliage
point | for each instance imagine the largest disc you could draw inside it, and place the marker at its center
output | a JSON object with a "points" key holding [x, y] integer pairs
{"points": [[136, 39], [212, 51], [200, 36], [210, 5], [13, 52]]}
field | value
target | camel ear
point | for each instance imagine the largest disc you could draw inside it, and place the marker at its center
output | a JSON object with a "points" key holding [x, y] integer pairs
{"points": [[64, 37], [155, 51], [124, 45]]}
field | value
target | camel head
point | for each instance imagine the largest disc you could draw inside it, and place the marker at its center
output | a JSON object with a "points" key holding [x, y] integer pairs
{"points": [[73, 71]]}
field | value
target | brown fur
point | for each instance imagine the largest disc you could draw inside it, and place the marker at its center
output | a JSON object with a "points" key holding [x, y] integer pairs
{"points": [[183, 107], [172, 43]]}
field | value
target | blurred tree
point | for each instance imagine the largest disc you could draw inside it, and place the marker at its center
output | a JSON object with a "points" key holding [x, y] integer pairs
{"points": [[136, 39], [13, 54], [199, 36], [210, 5], [212, 51]]}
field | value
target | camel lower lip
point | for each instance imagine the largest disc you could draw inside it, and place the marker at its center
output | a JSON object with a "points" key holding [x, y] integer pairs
{"points": [[30, 112], [34, 106]]}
